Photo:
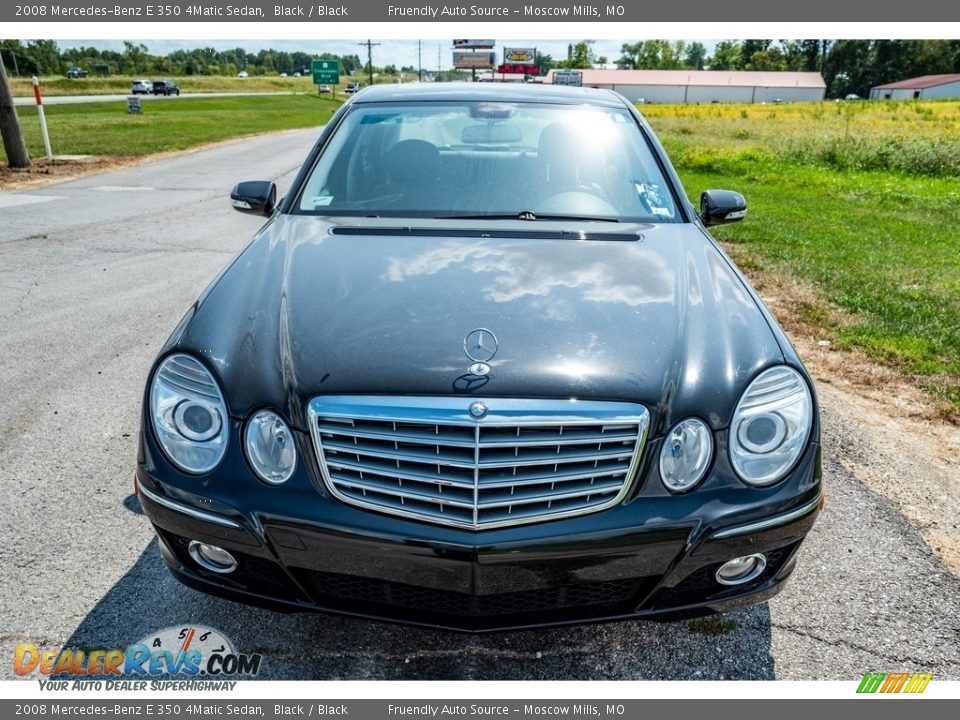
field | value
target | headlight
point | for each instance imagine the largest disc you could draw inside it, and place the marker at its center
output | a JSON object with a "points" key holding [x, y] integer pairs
{"points": [[270, 447], [685, 454], [189, 414], [770, 426]]}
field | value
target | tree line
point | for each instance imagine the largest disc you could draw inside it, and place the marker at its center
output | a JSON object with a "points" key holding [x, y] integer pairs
{"points": [[848, 66], [44, 57]]}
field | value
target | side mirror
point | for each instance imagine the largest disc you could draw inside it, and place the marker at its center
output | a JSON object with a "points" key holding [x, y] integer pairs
{"points": [[256, 197], [719, 207]]}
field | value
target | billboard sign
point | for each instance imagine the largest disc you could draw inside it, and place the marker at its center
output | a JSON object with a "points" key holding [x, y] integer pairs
{"points": [[474, 44], [519, 56], [568, 77], [517, 69], [474, 60]]}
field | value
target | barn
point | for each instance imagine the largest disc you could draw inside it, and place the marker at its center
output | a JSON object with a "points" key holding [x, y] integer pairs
{"points": [[926, 87], [707, 86]]}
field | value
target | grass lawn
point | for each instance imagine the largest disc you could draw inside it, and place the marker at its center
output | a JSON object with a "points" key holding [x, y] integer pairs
{"points": [[120, 84], [105, 128], [861, 201]]}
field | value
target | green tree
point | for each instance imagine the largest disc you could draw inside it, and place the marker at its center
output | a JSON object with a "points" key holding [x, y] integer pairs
{"points": [[769, 59], [44, 58], [847, 68], [544, 63], [748, 49], [814, 53], [695, 56], [652, 55], [581, 55], [726, 56], [134, 57]]}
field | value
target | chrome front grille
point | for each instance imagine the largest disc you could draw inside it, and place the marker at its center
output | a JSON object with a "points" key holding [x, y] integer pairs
{"points": [[525, 461]]}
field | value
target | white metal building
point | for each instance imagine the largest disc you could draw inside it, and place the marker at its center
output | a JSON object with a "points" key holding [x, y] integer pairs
{"points": [[707, 86], [926, 87]]}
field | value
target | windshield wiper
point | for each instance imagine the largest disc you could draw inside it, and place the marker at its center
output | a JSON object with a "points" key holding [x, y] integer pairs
{"points": [[530, 216]]}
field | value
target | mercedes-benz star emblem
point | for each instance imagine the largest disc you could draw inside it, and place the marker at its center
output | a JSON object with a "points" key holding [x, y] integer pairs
{"points": [[478, 410], [480, 345]]}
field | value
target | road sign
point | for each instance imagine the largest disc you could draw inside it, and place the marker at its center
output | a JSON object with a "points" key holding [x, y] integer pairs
{"points": [[326, 72], [568, 77]]}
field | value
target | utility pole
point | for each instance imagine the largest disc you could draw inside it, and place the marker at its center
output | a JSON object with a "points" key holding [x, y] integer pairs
{"points": [[10, 126], [419, 63], [16, 70], [370, 46], [439, 65]]}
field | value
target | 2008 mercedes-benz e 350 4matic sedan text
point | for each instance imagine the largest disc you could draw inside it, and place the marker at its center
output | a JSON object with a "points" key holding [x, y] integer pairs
{"points": [[482, 368]]}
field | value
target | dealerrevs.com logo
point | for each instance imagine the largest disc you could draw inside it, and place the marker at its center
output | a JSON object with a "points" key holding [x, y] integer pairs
{"points": [[202, 657]]}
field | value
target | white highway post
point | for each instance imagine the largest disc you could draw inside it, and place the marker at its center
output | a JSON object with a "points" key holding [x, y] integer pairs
{"points": [[43, 118]]}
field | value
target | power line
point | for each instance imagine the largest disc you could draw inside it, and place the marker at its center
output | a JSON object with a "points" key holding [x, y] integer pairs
{"points": [[370, 46]]}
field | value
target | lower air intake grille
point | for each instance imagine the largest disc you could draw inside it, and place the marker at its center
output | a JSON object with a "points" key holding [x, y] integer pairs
{"points": [[361, 593], [477, 463]]}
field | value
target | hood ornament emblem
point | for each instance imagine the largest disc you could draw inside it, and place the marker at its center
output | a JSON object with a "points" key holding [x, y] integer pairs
{"points": [[478, 410], [480, 345]]}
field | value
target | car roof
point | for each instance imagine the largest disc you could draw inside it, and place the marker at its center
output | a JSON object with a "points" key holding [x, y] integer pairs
{"points": [[491, 92]]}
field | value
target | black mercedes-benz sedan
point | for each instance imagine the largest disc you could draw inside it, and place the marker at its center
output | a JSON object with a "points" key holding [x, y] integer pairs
{"points": [[482, 368]]}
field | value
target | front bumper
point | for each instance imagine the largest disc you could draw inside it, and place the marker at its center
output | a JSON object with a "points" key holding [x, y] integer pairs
{"points": [[651, 557]]}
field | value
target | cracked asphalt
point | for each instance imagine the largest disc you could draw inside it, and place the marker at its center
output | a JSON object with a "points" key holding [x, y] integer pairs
{"points": [[94, 273]]}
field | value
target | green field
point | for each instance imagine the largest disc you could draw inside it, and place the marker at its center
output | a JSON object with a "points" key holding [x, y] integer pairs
{"points": [[860, 201], [105, 128]]}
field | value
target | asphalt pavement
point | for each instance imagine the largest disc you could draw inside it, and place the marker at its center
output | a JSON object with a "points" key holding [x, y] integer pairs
{"points": [[94, 274]]}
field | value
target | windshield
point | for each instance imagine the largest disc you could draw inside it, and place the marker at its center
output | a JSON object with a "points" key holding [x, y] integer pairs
{"points": [[485, 159]]}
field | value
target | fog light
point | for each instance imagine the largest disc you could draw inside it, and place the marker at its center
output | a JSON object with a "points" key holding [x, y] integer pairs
{"points": [[212, 558], [741, 569]]}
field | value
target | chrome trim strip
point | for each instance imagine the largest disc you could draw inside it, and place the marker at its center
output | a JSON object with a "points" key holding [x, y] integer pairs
{"points": [[453, 411], [187, 510], [768, 523]]}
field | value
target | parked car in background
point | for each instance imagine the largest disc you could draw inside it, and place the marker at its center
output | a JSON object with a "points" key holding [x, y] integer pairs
{"points": [[76, 72], [165, 87], [141, 87], [484, 367], [351, 88], [324, 88], [243, 74]]}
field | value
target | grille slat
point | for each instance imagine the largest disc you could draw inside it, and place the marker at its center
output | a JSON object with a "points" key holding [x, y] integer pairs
{"points": [[411, 436], [502, 460], [525, 461], [551, 496], [404, 493], [534, 477], [389, 471], [386, 452]]}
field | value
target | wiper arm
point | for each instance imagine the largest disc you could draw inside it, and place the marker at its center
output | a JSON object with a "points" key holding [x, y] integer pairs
{"points": [[530, 216]]}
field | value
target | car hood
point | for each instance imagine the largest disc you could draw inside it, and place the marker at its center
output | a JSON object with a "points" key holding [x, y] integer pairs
{"points": [[661, 319]]}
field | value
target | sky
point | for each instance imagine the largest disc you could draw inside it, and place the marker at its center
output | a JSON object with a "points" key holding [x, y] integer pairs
{"points": [[389, 52]]}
